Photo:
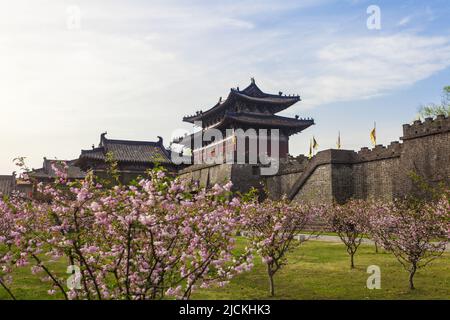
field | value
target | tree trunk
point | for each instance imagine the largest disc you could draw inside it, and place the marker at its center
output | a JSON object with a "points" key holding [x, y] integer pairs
{"points": [[411, 278], [352, 262], [376, 247], [7, 289], [271, 286]]}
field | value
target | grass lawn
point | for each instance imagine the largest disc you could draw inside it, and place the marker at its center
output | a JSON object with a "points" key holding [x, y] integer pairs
{"points": [[316, 270], [320, 270]]}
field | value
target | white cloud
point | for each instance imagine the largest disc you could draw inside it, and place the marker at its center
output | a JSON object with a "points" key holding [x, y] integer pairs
{"points": [[404, 21], [136, 69], [360, 68]]}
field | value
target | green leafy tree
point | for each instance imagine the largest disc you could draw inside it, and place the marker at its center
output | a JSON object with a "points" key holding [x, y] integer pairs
{"points": [[433, 110]]}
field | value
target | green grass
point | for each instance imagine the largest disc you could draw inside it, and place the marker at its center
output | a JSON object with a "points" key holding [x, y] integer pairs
{"points": [[320, 270], [30, 287], [315, 270]]}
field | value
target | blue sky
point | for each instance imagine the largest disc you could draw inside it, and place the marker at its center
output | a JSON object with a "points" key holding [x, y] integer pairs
{"points": [[134, 68]]}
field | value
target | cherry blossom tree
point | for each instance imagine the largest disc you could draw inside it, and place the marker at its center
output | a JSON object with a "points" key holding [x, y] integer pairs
{"points": [[6, 245], [416, 235], [271, 227], [349, 222], [144, 241]]}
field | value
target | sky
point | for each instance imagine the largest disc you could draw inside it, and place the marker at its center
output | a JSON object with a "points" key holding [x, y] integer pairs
{"points": [[70, 70]]}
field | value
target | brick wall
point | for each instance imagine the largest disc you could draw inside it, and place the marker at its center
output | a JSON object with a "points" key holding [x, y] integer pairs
{"points": [[338, 175], [243, 176], [426, 151], [377, 173], [318, 187]]}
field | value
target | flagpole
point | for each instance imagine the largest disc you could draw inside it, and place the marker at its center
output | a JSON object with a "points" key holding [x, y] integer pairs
{"points": [[310, 149], [339, 140]]}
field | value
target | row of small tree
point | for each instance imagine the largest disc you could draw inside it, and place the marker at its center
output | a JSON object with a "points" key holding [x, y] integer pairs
{"points": [[160, 237], [416, 233]]}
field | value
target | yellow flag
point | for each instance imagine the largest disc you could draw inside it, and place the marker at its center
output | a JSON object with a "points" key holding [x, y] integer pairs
{"points": [[310, 150], [339, 140], [373, 135], [315, 144]]}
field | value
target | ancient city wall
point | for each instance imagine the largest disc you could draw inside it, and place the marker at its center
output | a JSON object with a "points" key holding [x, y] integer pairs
{"points": [[338, 175], [244, 177], [426, 151], [207, 175], [289, 173], [378, 173], [317, 187], [375, 172]]}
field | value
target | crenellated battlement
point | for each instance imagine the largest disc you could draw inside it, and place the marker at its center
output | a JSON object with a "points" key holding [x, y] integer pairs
{"points": [[336, 175], [430, 126], [383, 172], [293, 164], [380, 152]]}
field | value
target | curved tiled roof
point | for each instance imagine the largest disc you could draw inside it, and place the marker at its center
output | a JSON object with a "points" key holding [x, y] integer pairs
{"points": [[6, 184], [128, 151], [251, 93], [268, 120], [95, 154], [256, 120], [47, 171]]}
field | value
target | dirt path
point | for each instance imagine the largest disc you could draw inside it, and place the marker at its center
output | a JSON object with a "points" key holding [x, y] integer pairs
{"points": [[328, 238]]}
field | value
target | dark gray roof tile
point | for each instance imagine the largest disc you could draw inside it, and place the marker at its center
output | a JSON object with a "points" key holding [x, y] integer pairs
{"points": [[129, 151], [47, 171], [7, 184]]}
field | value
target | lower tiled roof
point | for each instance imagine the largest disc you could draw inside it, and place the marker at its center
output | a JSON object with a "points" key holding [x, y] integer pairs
{"points": [[47, 171], [268, 120], [6, 184], [129, 151]]}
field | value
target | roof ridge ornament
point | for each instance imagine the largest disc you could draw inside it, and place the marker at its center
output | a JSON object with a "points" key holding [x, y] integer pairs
{"points": [[251, 95], [103, 138]]}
